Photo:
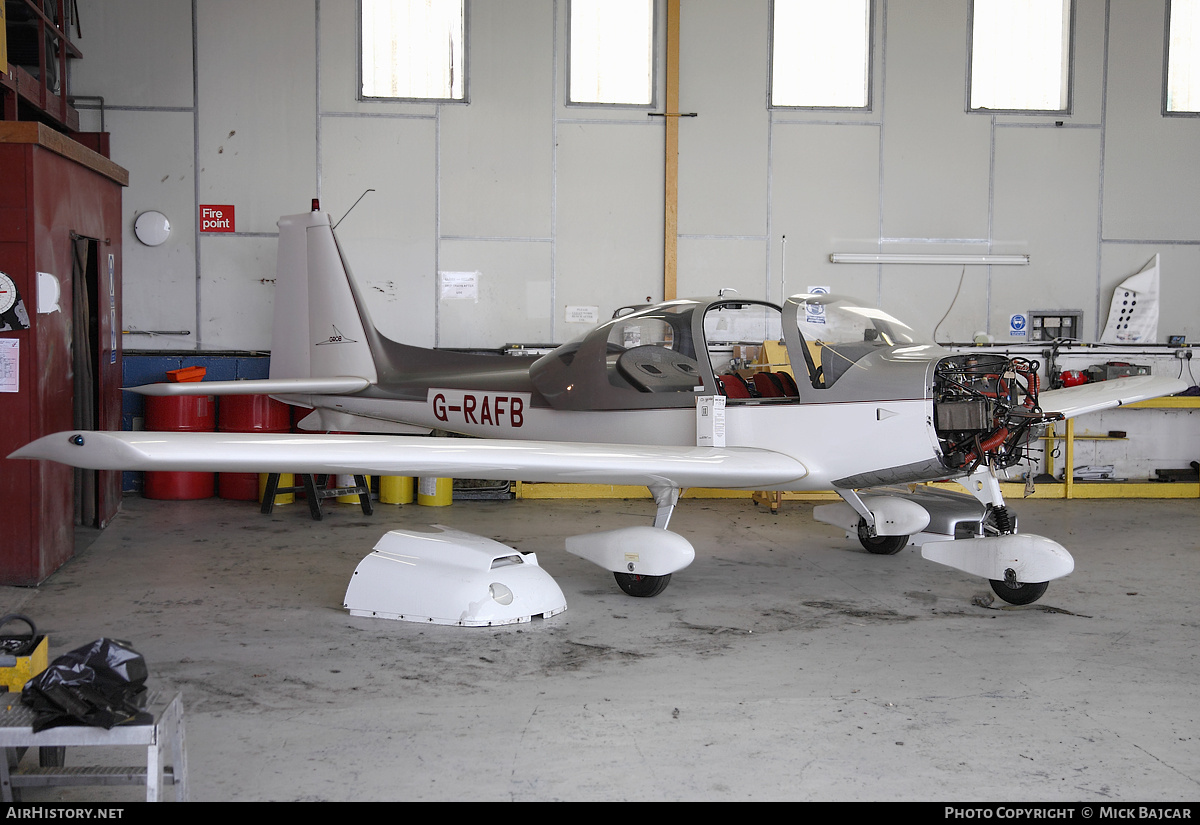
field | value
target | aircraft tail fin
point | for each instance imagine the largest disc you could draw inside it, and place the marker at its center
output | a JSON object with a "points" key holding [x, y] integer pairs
{"points": [[320, 330]]}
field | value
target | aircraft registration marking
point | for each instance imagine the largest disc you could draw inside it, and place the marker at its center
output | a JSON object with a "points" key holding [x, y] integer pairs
{"points": [[486, 409]]}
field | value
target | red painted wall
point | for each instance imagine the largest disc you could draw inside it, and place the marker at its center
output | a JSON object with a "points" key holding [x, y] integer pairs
{"points": [[45, 198]]}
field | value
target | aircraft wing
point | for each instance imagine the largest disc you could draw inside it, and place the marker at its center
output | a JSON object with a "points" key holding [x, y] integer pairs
{"points": [[1103, 395], [724, 467], [337, 385]]}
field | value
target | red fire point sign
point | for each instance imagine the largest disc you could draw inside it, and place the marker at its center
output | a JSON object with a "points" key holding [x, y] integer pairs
{"points": [[216, 218]]}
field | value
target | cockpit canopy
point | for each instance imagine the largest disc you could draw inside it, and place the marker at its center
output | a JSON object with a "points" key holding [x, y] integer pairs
{"points": [[832, 319], [750, 351], [833, 333]]}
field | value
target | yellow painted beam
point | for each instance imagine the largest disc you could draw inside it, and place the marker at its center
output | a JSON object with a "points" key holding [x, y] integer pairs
{"points": [[1013, 490], [1135, 489], [1170, 402], [671, 167], [537, 491]]}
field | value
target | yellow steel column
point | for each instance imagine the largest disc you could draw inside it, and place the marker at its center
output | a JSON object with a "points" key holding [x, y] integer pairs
{"points": [[1069, 470], [671, 177]]}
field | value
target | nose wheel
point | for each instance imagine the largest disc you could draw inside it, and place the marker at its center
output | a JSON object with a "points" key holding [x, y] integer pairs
{"points": [[1015, 592]]}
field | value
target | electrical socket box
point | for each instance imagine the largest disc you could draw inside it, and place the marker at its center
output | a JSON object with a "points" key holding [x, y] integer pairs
{"points": [[1048, 324]]}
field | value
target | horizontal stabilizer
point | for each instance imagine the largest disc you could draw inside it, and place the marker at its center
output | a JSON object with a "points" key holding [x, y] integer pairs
{"points": [[1103, 395], [337, 385], [565, 462]]}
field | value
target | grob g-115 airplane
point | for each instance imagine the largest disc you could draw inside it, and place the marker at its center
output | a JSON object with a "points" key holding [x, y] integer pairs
{"points": [[863, 406]]}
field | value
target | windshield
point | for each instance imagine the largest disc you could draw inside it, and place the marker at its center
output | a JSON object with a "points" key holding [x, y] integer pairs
{"points": [[836, 333], [827, 319]]}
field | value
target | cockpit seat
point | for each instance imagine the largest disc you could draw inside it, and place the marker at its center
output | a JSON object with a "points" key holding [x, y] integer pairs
{"points": [[775, 385], [789, 384], [768, 385], [658, 369], [733, 385]]}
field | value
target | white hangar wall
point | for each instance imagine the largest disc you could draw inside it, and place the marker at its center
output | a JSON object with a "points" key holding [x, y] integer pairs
{"points": [[254, 105]]}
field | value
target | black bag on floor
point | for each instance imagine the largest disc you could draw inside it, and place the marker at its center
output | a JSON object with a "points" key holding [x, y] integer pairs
{"points": [[101, 684]]}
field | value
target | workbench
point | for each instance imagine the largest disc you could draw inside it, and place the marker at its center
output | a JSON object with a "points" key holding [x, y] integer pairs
{"points": [[1070, 488]]}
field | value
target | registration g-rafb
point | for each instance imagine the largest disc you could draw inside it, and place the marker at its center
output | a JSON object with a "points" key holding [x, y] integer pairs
{"points": [[479, 408]]}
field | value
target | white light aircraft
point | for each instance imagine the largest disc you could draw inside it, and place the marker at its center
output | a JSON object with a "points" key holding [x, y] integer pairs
{"points": [[859, 404]]}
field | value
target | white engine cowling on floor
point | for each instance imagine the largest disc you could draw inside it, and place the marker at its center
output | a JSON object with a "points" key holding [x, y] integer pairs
{"points": [[447, 576]]}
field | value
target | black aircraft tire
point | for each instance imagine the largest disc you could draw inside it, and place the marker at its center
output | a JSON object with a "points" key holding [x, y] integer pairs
{"points": [[880, 545], [1022, 593], [642, 586]]}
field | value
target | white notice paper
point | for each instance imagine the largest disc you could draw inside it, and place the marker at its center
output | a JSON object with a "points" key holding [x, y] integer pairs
{"points": [[460, 286], [10, 360], [710, 421], [582, 315]]}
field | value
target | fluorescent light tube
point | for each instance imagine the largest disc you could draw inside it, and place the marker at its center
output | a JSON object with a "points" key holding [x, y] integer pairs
{"points": [[923, 258]]}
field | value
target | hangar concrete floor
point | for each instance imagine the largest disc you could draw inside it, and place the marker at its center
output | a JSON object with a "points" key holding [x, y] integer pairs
{"points": [[785, 663]]}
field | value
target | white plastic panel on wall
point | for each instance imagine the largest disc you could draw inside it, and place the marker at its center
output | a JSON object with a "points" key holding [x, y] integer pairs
{"points": [[389, 238], [609, 233], [483, 185], [159, 282], [513, 300], [1151, 177], [496, 154], [1047, 185], [707, 265], [256, 108], [237, 292], [723, 150], [935, 156], [824, 198], [922, 295], [137, 53]]}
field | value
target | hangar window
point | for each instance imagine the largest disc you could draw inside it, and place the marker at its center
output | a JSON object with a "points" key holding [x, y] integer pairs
{"points": [[1182, 93], [611, 52], [1020, 55], [821, 54], [413, 49]]}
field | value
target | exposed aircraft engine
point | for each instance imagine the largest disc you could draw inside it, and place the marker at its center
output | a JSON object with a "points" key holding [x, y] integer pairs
{"points": [[986, 409]]}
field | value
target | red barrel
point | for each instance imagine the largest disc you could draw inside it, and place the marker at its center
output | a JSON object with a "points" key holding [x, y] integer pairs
{"points": [[249, 414], [180, 413]]}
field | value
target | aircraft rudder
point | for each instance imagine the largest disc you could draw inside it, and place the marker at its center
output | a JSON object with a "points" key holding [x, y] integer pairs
{"points": [[319, 326]]}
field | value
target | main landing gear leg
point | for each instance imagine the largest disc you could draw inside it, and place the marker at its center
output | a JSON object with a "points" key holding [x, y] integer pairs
{"points": [[637, 585], [999, 522]]}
